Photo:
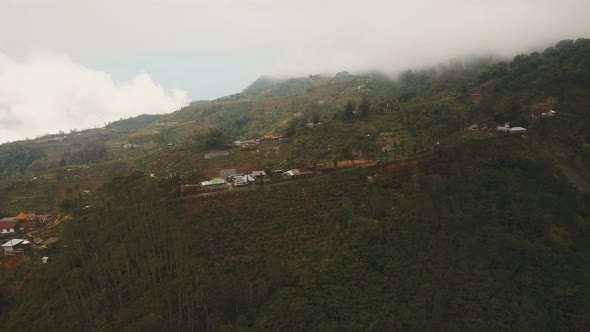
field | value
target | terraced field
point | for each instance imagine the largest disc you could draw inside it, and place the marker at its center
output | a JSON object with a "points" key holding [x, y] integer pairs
{"points": [[245, 227]]}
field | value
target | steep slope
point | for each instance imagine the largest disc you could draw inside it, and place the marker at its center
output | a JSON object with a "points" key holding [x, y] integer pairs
{"points": [[452, 229]]}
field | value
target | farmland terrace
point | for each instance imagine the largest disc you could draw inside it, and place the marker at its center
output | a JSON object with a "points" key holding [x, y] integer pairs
{"points": [[242, 228]]}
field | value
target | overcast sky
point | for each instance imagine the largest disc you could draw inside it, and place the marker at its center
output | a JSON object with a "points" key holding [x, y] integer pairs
{"points": [[80, 63]]}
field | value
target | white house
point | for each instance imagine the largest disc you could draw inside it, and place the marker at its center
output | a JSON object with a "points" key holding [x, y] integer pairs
{"points": [[258, 173], [243, 180], [517, 130], [293, 172], [15, 247], [214, 184]]}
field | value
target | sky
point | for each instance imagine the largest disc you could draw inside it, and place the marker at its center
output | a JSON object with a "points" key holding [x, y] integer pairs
{"points": [[72, 64]]}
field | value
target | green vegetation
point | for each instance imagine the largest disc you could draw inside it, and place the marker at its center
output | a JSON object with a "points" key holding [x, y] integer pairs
{"points": [[90, 153], [16, 157], [27, 195], [134, 123], [213, 138], [499, 244], [501, 236], [478, 230]]}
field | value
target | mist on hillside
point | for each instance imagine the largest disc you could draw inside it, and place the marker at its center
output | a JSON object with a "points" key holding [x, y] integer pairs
{"points": [[391, 36], [225, 45]]}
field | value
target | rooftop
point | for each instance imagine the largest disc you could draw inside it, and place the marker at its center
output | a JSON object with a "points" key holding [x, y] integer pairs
{"points": [[7, 224], [15, 242], [215, 181], [51, 240]]}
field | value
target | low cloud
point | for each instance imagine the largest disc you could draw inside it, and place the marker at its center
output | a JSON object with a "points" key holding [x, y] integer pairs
{"points": [[216, 47], [295, 36], [391, 36], [48, 92]]}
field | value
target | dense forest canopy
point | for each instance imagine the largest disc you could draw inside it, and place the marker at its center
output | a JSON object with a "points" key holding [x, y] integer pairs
{"points": [[16, 157]]}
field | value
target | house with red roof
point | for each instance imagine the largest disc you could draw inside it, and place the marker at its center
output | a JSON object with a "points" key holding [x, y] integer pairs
{"points": [[272, 137], [7, 227]]}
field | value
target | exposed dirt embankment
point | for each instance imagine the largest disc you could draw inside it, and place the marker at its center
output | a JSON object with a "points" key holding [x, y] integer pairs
{"points": [[394, 175]]}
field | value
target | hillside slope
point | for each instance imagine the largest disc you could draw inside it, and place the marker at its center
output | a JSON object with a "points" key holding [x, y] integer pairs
{"points": [[437, 228]]}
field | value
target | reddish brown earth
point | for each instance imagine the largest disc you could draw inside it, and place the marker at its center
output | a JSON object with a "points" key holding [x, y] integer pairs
{"points": [[399, 172]]}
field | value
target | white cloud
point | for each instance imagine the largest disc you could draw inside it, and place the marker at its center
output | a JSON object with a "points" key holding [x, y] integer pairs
{"points": [[240, 38], [49, 92], [390, 36], [306, 33]]}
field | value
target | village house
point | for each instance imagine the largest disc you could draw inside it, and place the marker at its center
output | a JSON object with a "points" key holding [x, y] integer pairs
{"points": [[44, 217], [246, 143], [297, 172], [513, 130], [32, 217], [277, 173], [7, 227], [27, 217], [517, 130], [11, 227], [28, 225], [272, 137], [243, 180], [503, 129], [214, 184], [292, 172], [21, 217], [15, 247], [226, 174], [257, 174]]}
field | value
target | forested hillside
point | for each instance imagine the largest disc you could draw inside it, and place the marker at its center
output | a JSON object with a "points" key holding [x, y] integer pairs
{"points": [[441, 228], [499, 244]]}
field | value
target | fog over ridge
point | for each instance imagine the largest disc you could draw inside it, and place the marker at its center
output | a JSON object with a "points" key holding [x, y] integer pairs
{"points": [[146, 56]]}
